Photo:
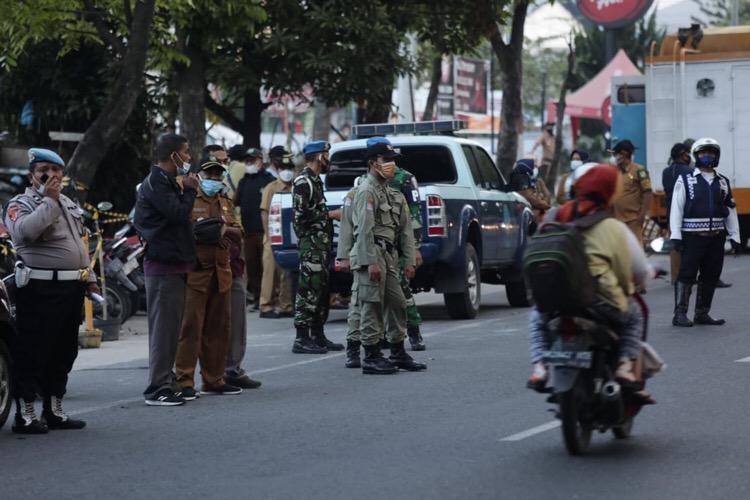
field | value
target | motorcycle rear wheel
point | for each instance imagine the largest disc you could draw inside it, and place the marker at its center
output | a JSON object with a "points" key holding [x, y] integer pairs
{"points": [[576, 432]]}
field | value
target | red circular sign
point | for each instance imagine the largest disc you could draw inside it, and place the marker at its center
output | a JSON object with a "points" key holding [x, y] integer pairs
{"points": [[613, 13]]}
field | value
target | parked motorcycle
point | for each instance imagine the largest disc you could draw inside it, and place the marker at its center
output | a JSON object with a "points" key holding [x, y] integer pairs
{"points": [[582, 362], [7, 252]]}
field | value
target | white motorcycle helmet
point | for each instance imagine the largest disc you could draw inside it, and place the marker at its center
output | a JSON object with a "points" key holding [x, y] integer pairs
{"points": [[575, 175], [703, 144]]}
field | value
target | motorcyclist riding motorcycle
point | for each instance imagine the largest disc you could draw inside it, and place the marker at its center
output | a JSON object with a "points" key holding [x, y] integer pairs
{"points": [[617, 273]]}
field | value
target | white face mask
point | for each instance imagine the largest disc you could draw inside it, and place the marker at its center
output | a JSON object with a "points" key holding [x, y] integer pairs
{"points": [[574, 164], [251, 169], [286, 175]]}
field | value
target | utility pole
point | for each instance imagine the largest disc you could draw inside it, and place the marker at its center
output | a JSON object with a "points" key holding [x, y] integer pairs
{"points": [[735, 12], [544, 98]]}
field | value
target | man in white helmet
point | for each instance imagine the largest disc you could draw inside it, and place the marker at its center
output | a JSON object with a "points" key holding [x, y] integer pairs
{"points": [[702, 215]]}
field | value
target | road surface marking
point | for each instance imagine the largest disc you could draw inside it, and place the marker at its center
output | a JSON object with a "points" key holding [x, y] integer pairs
{"points": [[533, 431], [743, 360]]}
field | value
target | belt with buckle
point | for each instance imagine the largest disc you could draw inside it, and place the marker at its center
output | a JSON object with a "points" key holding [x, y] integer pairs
{"points": [[50, 275], [385, 244], [709, 234]]}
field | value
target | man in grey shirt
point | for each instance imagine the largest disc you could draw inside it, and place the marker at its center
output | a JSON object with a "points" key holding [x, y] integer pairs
{"points": [[52, 276]]}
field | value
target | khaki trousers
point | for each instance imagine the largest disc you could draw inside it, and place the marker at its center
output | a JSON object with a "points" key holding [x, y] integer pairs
{"points": [[381, 302], [275, 289], [204, 336]]}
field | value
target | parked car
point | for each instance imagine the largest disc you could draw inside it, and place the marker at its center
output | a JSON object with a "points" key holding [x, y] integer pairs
{"points": [[474, 227], [7, 337]]}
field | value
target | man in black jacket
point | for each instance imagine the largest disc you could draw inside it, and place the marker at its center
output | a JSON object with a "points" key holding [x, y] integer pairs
{"points": [[679, 164], [163, 219]]}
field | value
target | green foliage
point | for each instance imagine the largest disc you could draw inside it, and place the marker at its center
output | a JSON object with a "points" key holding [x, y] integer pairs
{"points": [[719, 12], [636, 40], [543, 68]]}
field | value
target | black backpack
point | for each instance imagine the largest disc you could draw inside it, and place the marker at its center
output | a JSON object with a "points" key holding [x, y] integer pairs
{"points": [[556, 269]]}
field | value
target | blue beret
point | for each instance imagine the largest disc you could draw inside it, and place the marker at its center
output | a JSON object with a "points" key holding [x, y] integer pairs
{"points": [[377, 140], [37, 155], [525, 166], [316, 147]]}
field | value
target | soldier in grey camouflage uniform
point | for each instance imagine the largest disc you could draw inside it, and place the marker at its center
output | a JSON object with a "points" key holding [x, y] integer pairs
{"points": [[312, 224], [380, 217]]}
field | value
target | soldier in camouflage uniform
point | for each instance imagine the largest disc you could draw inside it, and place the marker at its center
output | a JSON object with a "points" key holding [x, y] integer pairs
{"points": [[405, 183], [312, 224], [381, 223]]}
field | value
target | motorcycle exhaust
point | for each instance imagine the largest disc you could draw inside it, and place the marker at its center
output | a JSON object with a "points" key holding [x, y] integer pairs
{"points": [[611, 391]]}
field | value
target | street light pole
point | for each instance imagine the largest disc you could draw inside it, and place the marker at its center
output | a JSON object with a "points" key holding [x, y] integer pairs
{"points": [[544, 98], [735, 12]]}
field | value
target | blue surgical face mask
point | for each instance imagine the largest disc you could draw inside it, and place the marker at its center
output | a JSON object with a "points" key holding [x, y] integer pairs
{"points": [[705, 161], [211, 186]]}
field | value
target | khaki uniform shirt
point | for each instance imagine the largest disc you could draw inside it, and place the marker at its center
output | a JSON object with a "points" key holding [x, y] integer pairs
{"points": [[212, 258], [235, 172], [48, 234], [381, 212], [345, 228], [636, 183], [277, 186]]}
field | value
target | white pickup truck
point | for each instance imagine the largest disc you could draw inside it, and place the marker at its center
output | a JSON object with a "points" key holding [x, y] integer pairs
{"points": [[474, 228]]}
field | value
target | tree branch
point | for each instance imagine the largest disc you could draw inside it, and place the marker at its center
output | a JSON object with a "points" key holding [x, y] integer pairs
{"points": [[223, 112], [95, 15], [128, 10]]}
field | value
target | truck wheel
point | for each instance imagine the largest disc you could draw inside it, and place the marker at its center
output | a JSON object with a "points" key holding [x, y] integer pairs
{"points": [[6, 402], [517, 294], [465, 305]]}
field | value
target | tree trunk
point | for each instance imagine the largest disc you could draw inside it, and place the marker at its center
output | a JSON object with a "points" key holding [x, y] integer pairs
{"points": [[554, 170], [253, 109], [191, 86], [429, 108], [509, 56], [107, 128], [322, 121]]}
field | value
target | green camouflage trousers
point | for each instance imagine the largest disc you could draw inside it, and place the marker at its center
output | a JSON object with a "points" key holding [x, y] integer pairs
{"points": [[311, 302], [413, 318], [378, 304]]}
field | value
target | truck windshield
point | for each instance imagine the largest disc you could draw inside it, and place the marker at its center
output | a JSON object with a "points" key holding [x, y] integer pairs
{"points": [[430, 164]]}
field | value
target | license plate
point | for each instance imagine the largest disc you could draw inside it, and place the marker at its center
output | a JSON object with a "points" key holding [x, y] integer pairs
{"points": [[577, 359]]}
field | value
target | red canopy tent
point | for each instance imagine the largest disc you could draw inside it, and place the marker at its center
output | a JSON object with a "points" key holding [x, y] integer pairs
{"points": [[591, 100]]}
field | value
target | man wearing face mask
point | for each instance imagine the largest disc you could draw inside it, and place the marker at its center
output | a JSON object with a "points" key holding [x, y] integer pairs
{"points": [[702, 215], [312, 225], [381, 224], [52, 276], [205, 328], [275, 291], [248, 198], [162, 217], [632, 206], [577, 158]]}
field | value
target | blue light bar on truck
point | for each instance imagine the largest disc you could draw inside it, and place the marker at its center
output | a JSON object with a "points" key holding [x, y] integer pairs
{"points": [[432, 127]]}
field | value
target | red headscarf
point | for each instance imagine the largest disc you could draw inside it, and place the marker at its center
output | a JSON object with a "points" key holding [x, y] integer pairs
{"points": [[594, 191]]}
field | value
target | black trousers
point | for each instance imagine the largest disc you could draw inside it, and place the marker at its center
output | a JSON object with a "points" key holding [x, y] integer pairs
{"points": [[704, 254], [48, 314]]}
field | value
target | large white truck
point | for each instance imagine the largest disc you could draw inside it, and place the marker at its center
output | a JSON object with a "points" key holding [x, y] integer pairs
{"points": [[698, 85]]}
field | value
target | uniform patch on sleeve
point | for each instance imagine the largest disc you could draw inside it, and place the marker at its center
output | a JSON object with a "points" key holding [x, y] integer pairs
{"points": [[347, 202], [370, 204], [13, 212]]}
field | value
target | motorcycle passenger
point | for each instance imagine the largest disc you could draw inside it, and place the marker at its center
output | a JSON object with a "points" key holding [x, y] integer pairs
{"points": [[613, 268], [577, 159]]}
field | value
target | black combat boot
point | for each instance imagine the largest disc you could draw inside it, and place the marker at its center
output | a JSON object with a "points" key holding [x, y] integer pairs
{"points": [[401, 358], [415, 338], [681, 302], [319, 337], [352, 354], [56, 418], [384, 344], [303, 344], [703, 298], [26, 421], [375, 364]]}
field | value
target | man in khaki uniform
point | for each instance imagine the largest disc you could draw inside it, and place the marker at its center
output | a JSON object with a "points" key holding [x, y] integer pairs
{"points": [[206, 320], [275, 289], [547, 142], [380, 216], [632, 205]]}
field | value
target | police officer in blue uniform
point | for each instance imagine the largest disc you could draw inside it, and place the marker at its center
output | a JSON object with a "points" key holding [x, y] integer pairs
{"points": [[703, 214], [52, 276]]}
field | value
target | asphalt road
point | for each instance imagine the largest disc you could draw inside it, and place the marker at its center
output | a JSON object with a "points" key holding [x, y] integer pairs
{"points": [[465, 428]]}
